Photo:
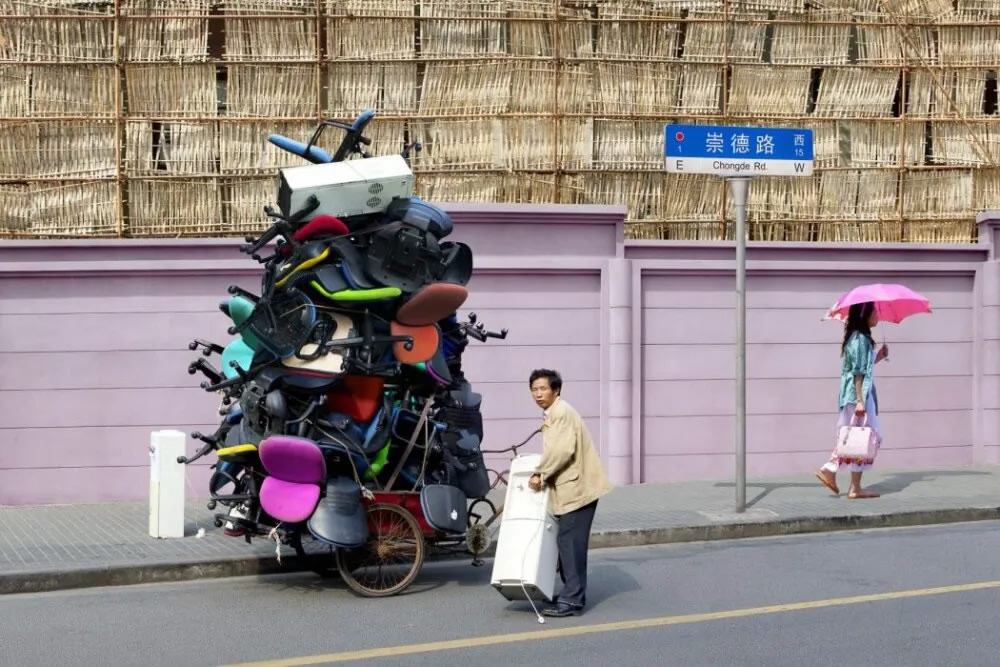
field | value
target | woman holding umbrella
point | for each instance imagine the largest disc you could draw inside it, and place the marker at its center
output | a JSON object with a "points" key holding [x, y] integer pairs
{"points": [[861, 310], [858, 398]]}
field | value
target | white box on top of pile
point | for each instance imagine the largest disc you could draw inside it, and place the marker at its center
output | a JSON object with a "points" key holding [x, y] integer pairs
{"points": [[352, 187]]}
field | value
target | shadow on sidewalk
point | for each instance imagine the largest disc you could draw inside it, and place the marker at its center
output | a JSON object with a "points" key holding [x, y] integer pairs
{"points": [[768, 487], [896, 482], [893, 483]]}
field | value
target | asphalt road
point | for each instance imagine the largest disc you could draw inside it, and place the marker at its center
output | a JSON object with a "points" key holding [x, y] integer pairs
{"points": [[719, 603]]}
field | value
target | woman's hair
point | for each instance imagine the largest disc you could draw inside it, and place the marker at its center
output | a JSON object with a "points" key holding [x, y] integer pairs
{"points": [[857, 321]]}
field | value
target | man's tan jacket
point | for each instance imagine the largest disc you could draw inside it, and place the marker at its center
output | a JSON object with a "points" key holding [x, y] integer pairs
{"points": [[570, 465]]}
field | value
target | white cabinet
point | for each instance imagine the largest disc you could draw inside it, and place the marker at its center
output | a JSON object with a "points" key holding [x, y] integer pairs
{"points": [[527, 552], [166, 484]]}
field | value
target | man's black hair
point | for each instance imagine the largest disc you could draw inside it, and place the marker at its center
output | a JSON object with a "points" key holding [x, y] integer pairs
{"points": [[555, 380]]}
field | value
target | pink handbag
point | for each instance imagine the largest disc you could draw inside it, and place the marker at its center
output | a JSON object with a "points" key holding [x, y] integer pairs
{"points": [[857, 442]]}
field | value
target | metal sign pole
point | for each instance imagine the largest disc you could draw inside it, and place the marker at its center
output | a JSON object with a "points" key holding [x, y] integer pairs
{"points": [[740, 187], [739, 154]]}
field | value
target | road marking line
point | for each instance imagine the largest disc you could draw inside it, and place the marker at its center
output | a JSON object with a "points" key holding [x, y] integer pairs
{"points": [[637, 624]]}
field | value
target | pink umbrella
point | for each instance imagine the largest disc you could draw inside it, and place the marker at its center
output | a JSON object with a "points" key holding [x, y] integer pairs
{"points": [[892, 302]]}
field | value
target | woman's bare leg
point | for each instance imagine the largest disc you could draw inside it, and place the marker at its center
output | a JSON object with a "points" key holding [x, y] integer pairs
{"points": [[855, 491]]}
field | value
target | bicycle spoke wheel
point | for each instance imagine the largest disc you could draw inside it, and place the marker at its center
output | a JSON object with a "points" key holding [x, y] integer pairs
{"points": [[391, 558]]}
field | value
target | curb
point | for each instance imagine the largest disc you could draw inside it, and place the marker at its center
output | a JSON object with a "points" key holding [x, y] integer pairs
{"points": [[29, 581], [41, 581], [789, 526]]}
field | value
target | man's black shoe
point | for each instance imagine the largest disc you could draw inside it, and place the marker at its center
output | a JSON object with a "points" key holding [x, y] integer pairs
{"points": [[562, 609], [555, 600]]}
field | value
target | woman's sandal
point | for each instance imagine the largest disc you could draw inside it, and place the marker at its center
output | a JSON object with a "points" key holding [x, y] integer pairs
{"points": [[861, 495], [827, 483]]}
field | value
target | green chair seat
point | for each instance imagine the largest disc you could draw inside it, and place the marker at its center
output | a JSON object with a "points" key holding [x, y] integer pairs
{"points": [[358, 295]]}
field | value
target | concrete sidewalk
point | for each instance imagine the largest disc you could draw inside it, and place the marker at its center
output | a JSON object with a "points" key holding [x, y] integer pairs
{"points": [[70, 546]]}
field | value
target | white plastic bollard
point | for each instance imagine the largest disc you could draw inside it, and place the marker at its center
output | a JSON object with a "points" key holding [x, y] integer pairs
{"points": [[166, 484]]}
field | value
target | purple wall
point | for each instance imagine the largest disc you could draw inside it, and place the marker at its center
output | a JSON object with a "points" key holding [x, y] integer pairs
{"points": [[93, 348]]}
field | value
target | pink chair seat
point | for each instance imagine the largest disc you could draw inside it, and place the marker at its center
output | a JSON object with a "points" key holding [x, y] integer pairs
{"points": [[293, 459], [295, 468], [288, 501]]}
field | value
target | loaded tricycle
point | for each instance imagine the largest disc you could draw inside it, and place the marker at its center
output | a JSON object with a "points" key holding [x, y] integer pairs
{"points": [[348, 430]]}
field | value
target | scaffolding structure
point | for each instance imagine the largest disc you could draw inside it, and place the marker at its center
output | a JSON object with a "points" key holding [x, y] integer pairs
{"points": [[149, 117]]}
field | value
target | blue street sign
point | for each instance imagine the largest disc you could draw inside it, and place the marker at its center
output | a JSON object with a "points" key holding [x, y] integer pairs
{"points": [[738, 151]]}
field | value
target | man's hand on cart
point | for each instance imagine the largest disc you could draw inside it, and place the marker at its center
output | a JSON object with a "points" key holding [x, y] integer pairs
{"points": [[535, 482]]}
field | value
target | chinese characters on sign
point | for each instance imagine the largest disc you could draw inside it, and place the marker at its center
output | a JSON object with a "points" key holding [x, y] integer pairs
{"points": [[800, 142], [738, 151], [713, 142], [741, 143]]}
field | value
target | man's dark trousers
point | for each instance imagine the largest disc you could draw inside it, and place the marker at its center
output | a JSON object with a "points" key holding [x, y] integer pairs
{"points": [[573, 540]]}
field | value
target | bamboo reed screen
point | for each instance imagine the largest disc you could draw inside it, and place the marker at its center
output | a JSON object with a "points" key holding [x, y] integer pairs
{"points": [[149, 117]]}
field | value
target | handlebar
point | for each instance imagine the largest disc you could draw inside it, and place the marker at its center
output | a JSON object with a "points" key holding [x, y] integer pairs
{"points": [[414, 146], [313, 154], [513, 448], [351, 143], [353, 140]]}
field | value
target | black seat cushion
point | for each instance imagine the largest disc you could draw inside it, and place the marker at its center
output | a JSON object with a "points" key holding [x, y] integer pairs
{"points": [[340, 518], [352, 264], [457, 263], [445, 508], [423, 215], [286, 377], [464, 458], [403, 257]]}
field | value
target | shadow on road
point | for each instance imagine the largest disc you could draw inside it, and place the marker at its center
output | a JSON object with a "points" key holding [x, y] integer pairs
{"points": [[603, 583]]}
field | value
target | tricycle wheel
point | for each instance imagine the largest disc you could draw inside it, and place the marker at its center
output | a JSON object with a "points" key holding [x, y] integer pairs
{"points": [[391, 558]]}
